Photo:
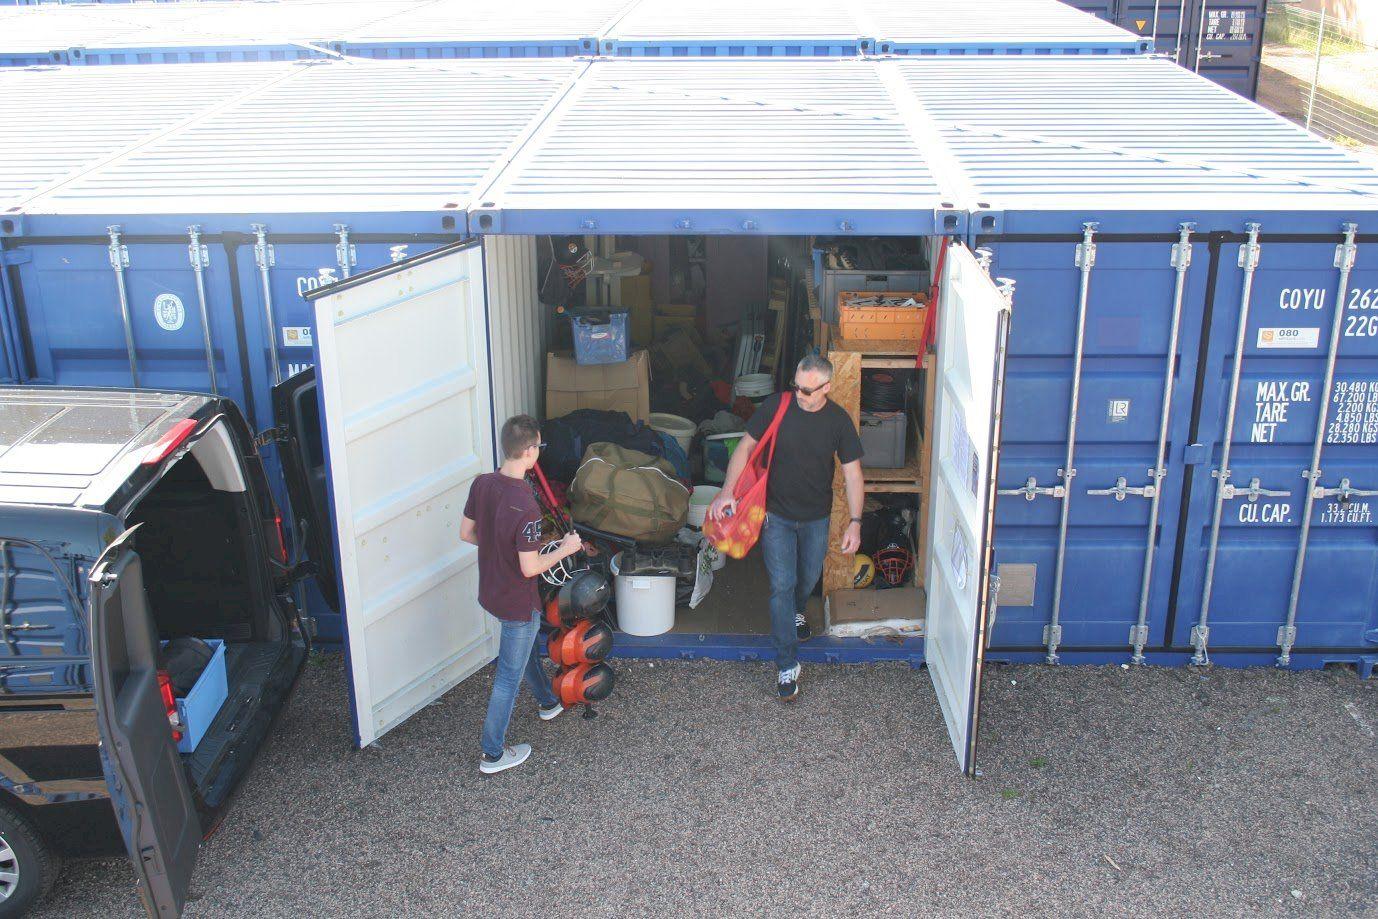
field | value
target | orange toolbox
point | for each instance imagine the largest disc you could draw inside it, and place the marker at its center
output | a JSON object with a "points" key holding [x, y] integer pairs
{"points": [[870, 315]]}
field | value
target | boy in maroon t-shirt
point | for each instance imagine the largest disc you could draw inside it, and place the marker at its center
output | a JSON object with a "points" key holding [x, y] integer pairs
{"points": [[503, 519]]}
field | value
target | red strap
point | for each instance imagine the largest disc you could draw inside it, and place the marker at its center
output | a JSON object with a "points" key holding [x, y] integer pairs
{"points": [[769, 436], [930, 323]]}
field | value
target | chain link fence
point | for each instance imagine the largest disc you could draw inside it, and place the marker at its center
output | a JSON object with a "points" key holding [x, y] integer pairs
{"points": [[1319, 71]]}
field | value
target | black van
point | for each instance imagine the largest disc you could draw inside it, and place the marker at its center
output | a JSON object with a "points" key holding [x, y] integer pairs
{"points": [[128, 518]]}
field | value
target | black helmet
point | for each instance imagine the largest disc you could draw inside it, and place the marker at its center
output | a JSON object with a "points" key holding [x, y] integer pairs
{"points": [[584, 595]]}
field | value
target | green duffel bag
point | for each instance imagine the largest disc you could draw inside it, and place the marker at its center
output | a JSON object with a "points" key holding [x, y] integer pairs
{"points": [[629, 493]]}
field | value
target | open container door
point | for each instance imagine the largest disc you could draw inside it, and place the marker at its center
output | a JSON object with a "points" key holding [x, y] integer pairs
{"points": [[403, 360], [973, 327], [143, 769]]}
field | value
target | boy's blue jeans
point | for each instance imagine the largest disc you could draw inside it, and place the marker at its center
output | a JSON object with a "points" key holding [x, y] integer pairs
{"points": [[518, 659], [794, 552]]}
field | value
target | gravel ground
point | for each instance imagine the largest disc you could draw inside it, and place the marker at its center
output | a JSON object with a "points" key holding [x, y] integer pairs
{"points": [[1104, 791]]}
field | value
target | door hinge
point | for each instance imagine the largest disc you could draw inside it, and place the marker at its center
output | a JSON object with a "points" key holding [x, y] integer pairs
{"points": [[307, 624], [1138, 636], [277, 435]]}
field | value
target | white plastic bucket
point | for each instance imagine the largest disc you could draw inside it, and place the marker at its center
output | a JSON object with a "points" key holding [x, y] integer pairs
{"points": [[645, 603], [754, 385], [681, 429], [702, 496]]}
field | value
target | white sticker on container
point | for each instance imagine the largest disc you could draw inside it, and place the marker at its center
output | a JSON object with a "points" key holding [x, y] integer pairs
{"points": [[169, 312], [961, 555], [962, 451], [1289, 337], [296, 336]]}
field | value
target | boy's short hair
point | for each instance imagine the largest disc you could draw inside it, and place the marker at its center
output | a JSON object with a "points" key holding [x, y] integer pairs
{"points": [[518, 433]]}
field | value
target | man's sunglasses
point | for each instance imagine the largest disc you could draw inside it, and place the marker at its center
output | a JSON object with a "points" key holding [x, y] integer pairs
{"points": [[806, 391]]}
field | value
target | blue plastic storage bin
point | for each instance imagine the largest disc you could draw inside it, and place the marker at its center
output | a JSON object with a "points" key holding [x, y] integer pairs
{"points": [[200, 706], [598, 340]]}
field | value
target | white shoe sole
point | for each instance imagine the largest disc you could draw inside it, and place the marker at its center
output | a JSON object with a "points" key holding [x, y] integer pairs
{"points": [[488, 768], [551, 715]]}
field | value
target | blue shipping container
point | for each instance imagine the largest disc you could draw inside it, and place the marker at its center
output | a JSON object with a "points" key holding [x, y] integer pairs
{"points": [[1127, 491], [1222, 41]]}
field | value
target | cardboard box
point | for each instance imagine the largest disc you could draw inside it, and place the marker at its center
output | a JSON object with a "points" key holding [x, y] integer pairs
{"points": [[636, 292], [636, 299], [871, 605], [680, 310], [664, 325], [624, 387]]}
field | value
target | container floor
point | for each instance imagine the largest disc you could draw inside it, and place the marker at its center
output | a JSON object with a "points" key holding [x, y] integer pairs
{"points": [[739, 603]]}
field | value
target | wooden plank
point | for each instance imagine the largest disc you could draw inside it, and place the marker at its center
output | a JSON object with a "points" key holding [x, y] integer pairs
{"points": [[930, 389], [875, 346], [846, 392]]}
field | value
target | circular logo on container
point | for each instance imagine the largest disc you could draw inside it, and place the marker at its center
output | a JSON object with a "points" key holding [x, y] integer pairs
{"points": [[169, 311]]}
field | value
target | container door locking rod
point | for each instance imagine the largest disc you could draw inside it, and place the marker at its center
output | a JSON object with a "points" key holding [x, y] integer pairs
{"points": [[1344, 260], [1085, 260], [1248, 260], [200, 261], [119, 260], [1180, 260]]}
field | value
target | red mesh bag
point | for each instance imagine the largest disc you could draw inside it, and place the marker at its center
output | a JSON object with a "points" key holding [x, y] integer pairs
{"points": [[734, 536]]}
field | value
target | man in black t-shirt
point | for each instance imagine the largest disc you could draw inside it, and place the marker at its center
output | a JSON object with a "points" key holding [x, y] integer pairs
{"points": [[799, 498]]}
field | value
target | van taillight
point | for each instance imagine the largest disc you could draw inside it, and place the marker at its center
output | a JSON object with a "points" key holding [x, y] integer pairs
{"points": [[172, 439], [170, 703], [282, 538]]}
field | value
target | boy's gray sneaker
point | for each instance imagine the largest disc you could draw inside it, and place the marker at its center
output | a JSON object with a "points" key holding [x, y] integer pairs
{"points": [[511, 756], [550, 714]]}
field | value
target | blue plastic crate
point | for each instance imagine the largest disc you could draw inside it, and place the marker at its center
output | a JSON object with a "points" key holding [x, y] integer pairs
{"points": [[599, 340], [198, 708]]}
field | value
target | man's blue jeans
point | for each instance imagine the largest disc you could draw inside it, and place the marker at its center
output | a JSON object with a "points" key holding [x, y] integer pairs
{"points": [[518, 659], [794, 553]]}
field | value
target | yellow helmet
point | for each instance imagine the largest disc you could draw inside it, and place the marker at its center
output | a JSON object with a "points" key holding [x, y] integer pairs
{"points": [[863, 570]]}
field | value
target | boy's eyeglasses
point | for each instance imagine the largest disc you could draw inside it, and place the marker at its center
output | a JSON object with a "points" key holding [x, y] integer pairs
{"points": [[807, 391]]}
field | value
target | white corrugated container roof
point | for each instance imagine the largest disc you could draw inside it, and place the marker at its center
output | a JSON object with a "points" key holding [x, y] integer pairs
{"points": [[60, 122], [514, 20], [760, 141], [639, 145], [734, 22], [1141, 133], [738, 28], [333, 137], [991, 26], [652, 27]]}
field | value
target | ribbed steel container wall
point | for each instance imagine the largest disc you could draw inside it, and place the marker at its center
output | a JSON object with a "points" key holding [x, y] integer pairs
{"points": [[1222, 41]]}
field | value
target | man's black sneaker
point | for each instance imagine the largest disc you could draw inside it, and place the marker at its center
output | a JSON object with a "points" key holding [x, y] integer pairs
{"points": [[801, 627], [788, 681]]}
